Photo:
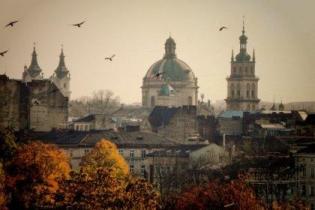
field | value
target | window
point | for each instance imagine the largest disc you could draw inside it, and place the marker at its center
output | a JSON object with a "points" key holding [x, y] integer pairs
{"points": [[86, 151], [189, 100], [86, 127], [312, 191], [143, 172], [312, 173], [121, 152], [143, 154], [65, 85], [132, 154], [234, 70], [132, 168], [246, 70], [152, 101]]}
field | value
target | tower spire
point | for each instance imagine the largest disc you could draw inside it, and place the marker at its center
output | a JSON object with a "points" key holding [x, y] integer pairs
{"points": [[34, 68], [243, 31], [170, 47], [61, 70]]}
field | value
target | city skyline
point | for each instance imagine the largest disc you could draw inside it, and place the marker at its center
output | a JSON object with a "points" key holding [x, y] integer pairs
{"points": [[283, 44]]}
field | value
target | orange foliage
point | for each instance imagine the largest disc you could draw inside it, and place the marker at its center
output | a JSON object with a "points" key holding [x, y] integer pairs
{"points": [[233, 195], [34, 172], [2, 193], [291, 205], [104, 155], [102, 190]]}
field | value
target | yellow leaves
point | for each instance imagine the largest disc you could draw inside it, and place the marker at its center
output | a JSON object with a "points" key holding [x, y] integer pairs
{"points": [[35, 170], [105, 155]]}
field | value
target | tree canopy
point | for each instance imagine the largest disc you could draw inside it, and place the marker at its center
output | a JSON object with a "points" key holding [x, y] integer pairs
{"points": [[34, 172], [104, 155]]}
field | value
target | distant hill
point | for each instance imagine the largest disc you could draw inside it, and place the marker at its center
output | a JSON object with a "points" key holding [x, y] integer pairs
{"points": [[309, 106]]}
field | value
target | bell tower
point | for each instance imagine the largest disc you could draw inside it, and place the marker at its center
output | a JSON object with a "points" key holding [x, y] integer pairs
{"points": [[61, 77], [242, 87]]}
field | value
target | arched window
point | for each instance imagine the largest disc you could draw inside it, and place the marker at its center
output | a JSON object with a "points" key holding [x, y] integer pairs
{"points": [[238, 90], [189, 100], [232, 90], [152, 101], [247, 90], [253, 90]]}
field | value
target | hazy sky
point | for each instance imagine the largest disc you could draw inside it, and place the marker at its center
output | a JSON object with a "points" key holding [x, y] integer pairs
{"points": [[281, 31]]}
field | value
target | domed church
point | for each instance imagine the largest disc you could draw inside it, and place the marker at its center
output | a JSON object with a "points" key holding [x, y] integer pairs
{"points": [[169, 81]]}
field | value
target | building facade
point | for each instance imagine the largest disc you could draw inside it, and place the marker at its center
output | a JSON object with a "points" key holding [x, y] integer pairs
{"points": [[242, 88], [169, 81], [35, 102]]}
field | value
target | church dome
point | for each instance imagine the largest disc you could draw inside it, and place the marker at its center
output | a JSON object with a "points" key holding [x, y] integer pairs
{"points": [[170, 67]]}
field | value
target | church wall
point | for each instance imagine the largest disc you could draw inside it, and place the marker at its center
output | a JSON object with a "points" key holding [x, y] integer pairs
{"points": [[182, 125], [10, 102]]}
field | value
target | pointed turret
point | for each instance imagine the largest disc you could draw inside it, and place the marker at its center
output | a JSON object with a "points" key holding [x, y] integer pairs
{"points": [[34, 70], [170, 47], [61, 70], [243, 56]]}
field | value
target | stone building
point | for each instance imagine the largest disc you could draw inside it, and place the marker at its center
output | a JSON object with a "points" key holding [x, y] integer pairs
{"points": [[33, 102], [169, 81], [177, 123], [242, 88]]}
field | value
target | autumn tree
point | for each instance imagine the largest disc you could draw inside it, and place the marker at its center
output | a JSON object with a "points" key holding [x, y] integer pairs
{"points": [[34, 173], [2, 188], [232, 195], [104, 182], [104, 155], [7, 143]]}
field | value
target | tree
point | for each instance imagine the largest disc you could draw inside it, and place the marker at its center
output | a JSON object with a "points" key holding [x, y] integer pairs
{"points": [[101, 102], [232, 195], [139, 194], [105, 155], [98, 190], [34, 173], [7, 143], [104, 182], [2, 189]]}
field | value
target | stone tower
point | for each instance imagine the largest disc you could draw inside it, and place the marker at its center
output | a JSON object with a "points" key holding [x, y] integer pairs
{"points": [[33, 72], [242, 83], [61, 77]]}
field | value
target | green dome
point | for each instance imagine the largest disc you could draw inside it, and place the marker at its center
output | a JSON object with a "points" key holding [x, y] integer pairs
{"points": [[170, 67], [166, 90]]}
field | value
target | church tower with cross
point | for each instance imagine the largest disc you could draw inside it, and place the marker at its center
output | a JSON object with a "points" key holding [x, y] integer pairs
{"points": [[242, 94], [33, 72], [61, 76]]}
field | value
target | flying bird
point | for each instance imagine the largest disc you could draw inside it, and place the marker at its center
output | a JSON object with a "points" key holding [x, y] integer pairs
{"points": [[223, 27], [3, 53], [110, 58], [158, 74], [11, 23], [78, 24]]}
